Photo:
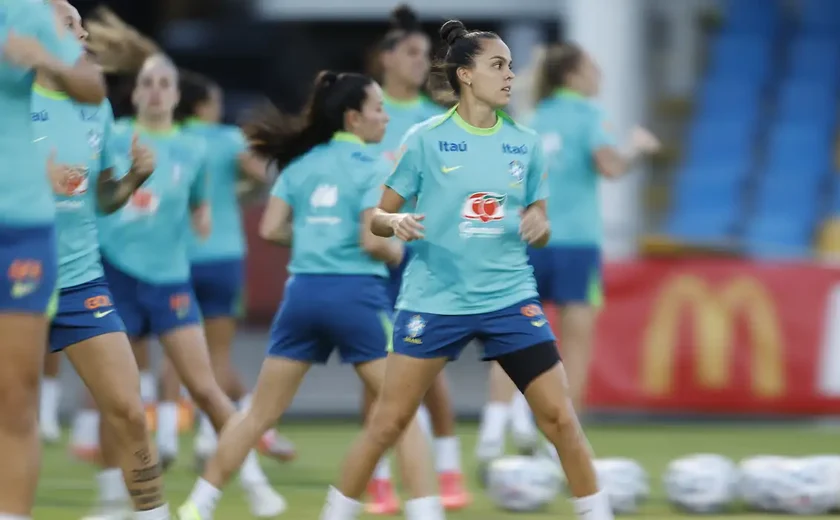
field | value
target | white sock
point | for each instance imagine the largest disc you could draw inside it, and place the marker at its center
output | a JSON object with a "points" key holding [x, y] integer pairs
{"points": [[158, 513], [204, 497], [205, 427], [50, 397], [184, 393], [593, 507], [522, 425], [167, 428], [245, 402], [448, 454], [148, 387], [111, 486], [339, 507], [426, 508], [86, 428], [251, 473], [491, 435], [383, 469], [425, 421], [4, 516]]}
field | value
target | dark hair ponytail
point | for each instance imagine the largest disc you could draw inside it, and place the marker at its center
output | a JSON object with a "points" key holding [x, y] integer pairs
{"points": [[559, 61], [195, 89], [462, 46], [283, 138]]}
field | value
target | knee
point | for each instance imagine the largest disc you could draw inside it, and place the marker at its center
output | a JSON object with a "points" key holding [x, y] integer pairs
{"points": [[558, 421], [128, 415], [19, 404], [206, 394], [387, 424]]}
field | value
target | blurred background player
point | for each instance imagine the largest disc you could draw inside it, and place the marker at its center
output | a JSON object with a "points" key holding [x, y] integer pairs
{"points": [[218, 262], [321, 207], [86, 326], [30, 40], [152, 291], [491, 295], [404, 62], [50, 400]]}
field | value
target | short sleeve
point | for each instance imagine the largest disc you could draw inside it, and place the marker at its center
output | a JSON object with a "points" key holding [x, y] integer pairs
{"points": [[600, 133], [281, 187], [372, 189], [405, 179], [108, 158], [200, 188], [536, 181]]}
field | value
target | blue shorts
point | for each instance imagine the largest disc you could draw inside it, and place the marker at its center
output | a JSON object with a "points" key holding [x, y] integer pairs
{"points": [[29, 262], [148, 308], [218, 287], [395, 280], [84, 311], [568, 274], [424, 335], [323, 313]]}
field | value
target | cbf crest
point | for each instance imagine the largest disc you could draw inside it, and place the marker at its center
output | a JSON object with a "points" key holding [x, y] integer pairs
{"points": [[415, 327], [517, 172]]}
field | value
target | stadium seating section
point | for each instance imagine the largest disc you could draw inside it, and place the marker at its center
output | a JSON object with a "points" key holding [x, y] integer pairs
{"points": [[759, 166]]}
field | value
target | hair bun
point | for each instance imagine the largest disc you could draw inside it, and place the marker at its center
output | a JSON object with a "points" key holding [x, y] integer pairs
{"points": [[452, 31], [404, 18], [326, 79]]}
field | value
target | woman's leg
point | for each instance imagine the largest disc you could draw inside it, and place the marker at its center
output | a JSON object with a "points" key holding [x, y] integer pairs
{"points": [[447, 446]]}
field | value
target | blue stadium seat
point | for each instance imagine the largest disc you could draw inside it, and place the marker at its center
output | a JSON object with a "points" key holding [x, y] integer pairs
{"points": [[729, 98], [807, 170], [820, 16], [778, 236], [722, 139], [806, 100], [745, 58], [701, 226], [795, 196], [816, 59], [752, 16]]}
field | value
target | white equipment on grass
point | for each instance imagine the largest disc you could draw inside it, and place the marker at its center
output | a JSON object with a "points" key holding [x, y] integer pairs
{"points": [[625, 482], [701, 483], [523, 483]]}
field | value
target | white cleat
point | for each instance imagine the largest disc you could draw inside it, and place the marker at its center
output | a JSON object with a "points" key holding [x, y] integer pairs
{"points": [[50, 432], [264, 502], [111, 513], [203, 449], [276, 446]]}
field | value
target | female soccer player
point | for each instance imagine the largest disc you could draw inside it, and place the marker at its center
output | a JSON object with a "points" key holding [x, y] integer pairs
{"points": [[321, 206], [479, 182], [29, 41], [568, 271], [74, 142], [144, 248], [218, 262], [404, 59]]}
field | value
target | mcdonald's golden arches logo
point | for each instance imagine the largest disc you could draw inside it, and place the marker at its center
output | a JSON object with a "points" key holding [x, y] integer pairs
{"points": [[714, 311]]}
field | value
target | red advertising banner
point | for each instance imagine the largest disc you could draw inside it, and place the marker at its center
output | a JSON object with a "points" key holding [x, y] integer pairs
{"points": [[718, 336]]}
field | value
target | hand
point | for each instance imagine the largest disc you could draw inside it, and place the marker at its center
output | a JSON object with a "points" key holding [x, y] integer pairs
{"points": [[533, 226], [142, 159], [25, 51], [60, 175], [407, 226], [201, 221], [644, 141]]}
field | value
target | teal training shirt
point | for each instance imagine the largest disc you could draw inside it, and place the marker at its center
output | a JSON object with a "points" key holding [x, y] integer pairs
{"points": [[224, 144], [328, 189], [26, 198], [572, 129], [148, 237], [471, 184], [77, 134]]}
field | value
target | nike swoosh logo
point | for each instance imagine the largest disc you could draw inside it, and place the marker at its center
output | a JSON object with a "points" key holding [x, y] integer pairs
{"points": [[538, 323], [39, 139], [445, 169], [102, 314]]}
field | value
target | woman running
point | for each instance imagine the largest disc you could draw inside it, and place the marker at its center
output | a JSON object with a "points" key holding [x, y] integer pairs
{"points": [[74, 142], [479, 179], [336, 298], [404, 57], [568, 271], [218, 262], [30, 41], [144, 248]]}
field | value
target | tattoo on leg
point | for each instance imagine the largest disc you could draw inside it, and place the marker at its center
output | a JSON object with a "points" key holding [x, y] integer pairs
{"points": [[146, 491]]}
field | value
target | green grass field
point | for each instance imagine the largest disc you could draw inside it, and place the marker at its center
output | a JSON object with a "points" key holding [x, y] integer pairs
{"points": [[67, 487]]}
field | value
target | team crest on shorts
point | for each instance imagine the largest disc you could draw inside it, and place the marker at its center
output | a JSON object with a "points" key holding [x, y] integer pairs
{"points": [[416, 325]]}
